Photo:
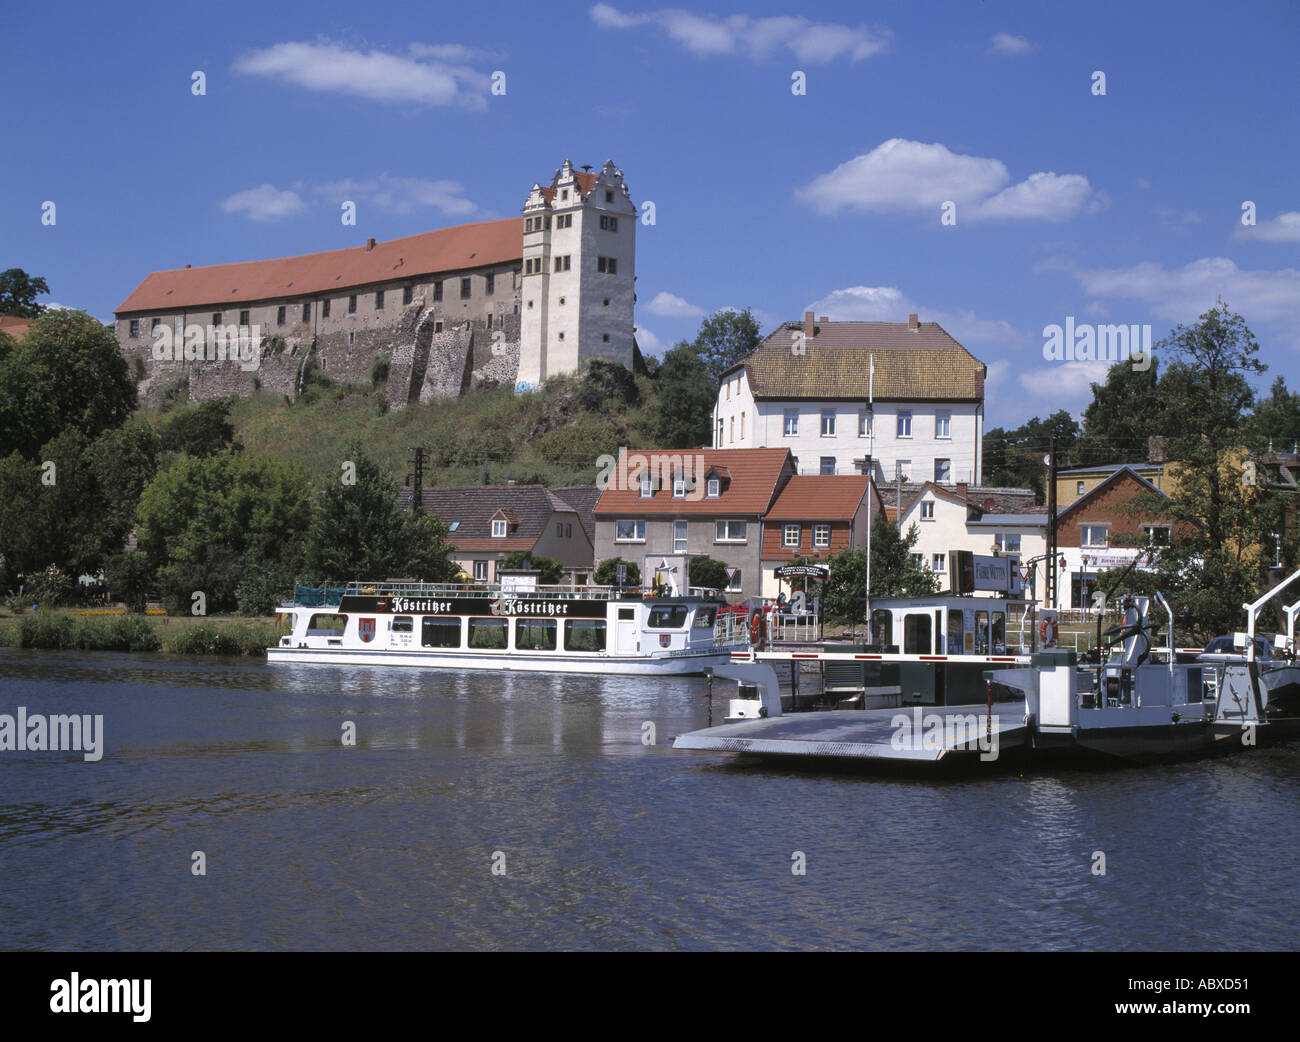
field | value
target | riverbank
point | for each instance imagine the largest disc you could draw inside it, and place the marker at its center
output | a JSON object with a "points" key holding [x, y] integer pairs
{"points": [[175, 635]]}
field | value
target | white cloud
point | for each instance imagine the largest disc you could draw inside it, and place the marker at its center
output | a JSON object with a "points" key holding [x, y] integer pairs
{"points": [[424, 77], [1046, 387], [668, 305], [765, 319], [901, 176], [648, 342], [264, 203], [1184, 294], [1285, 227], [1005, 43], [705, 35], [402, 194]]}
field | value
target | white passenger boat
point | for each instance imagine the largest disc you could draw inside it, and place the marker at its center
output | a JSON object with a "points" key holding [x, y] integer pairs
{"points": [[543, 629]]}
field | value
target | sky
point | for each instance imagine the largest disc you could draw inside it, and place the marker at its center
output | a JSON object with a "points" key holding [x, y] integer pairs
{"points": [[797, 156]]}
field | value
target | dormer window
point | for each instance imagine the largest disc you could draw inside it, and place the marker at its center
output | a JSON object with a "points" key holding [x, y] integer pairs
{"points": [[647, 488], [498, 529], [713, 488], [679, 488]]}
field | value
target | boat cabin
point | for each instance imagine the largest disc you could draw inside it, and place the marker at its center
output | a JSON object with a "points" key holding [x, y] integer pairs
{"points": [[942, 624]]}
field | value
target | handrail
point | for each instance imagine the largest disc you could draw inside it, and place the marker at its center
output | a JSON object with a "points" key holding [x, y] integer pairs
{"points": [[1253, 609], [330, 593]]}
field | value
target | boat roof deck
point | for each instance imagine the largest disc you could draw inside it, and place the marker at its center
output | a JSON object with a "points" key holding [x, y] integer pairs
{"points": [[865, 734]]}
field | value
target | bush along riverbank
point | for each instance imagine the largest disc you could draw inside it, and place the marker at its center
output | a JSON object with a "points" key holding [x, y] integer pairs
{"points": [[60, 631]]}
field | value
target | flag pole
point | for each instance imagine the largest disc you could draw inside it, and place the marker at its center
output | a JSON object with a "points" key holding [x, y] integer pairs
{"points": [[871, 466]]}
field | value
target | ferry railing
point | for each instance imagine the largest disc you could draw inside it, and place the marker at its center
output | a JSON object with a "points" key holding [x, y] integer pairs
{"points": [[330, 593]]}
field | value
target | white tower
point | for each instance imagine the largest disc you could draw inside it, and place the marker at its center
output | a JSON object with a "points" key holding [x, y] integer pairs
{"points": [[579, 273]]}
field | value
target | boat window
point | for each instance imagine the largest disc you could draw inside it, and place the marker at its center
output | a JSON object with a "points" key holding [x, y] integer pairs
{"points": [[1195, 688], [667, 617], [626, 614], [535, 634], [325, 625], [916, 634], [584, 634], [403, 624], [981, 633], [487, 633], [439, 633], [956, 629], [704, 618], [999, 634], [882, 627]]}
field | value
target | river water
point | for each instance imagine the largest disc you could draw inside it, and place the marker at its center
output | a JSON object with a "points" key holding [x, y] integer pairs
{"points": [[523, 811]]}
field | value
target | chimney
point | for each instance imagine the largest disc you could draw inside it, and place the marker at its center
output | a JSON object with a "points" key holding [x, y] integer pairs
{"points": [[823, 320], [187, 266], [1156, 449], [370, 245], [912, 323], [808, 325], [961, 488]]}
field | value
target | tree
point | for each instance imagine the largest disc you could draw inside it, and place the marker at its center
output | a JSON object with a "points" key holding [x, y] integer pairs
{"points": [[67, 373], [552, 571], [359, 531], [684, 400], [1124, 412], [707, 572], [1277, 419], [18, 293], [894, 572], [725, 338], [198, 430], [1014, 459], [606, 573], [1224, 517], [209, 524]]}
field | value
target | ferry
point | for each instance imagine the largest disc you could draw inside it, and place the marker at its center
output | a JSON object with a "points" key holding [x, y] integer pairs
{"points": [[544, 629]]}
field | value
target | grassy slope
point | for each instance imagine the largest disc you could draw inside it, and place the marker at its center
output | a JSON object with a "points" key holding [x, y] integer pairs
{"points": [[545, 436]]}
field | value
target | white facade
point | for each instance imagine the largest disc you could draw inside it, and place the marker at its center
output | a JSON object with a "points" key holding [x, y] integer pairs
{"points": [[579, 270], [927, 441]]}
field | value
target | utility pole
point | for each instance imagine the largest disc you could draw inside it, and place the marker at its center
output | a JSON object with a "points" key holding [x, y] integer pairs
{"points": [[417, 481], [1050, 563]]}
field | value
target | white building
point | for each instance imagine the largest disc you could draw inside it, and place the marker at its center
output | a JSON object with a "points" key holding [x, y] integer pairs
{"points": [[806, 388], [579, 269]]}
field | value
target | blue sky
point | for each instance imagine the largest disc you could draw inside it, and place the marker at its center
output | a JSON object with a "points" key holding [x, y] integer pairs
{"points": [[1122, 208]]}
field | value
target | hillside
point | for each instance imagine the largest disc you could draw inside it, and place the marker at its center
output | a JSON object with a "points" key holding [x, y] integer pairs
{"points": [[552, 436]]}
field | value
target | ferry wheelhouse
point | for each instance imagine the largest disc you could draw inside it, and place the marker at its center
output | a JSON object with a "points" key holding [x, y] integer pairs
{"points": [[537, 629]]}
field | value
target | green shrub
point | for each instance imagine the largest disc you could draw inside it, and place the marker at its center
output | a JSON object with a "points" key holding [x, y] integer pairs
{"points": [[47, 630]]}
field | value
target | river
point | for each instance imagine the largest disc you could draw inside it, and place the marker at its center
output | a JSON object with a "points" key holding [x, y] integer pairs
{"points": [[504, 811]]}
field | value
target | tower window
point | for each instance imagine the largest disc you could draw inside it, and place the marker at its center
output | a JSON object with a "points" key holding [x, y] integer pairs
{"points": [[607, 265], [379, 300], [243, 318], [606, 302], [437, 290], [325, 308], [306, 311], [352, 304], [408, 294], [608, 224], [563, 263], [279, 315], [605, 337], [491, 284], [437, 326], [465, 286]]}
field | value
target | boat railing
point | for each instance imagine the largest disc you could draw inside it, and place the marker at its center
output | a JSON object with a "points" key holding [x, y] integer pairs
{"points": [[331, 593]]}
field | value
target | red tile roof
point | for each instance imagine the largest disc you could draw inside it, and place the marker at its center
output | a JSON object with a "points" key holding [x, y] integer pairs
{"points": [[819, 497], [334, 271], [756, 476], [13, 325], [585, 181]]}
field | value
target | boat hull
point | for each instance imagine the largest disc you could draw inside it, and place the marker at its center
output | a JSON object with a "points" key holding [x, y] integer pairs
{"points": [[686, 664]]}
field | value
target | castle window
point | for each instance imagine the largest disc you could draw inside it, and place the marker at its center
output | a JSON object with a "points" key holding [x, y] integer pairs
{"points": [[609, 196], [243, 318], [489, 320], [306, 311], [325, 308], [437, 290], [607, 302], [563, 263], [608, 224], [605, 337], [564, 220], [279, 315], [491, 284], [530, 305], [216, 318], [465, 286], [135, 327], [153, 326], [561, 302], [607, 265], [352, 304], [564, 193], [351, 337], [437, 327], [379, 300], [408, 294], [561, 336]]}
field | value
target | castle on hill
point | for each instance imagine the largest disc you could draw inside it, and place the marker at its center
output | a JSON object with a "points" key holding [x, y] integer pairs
{"points": [[490, 303]]}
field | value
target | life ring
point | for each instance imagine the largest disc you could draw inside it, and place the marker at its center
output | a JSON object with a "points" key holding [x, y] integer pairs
{"points": [[1047, 633], [756, 628]]}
